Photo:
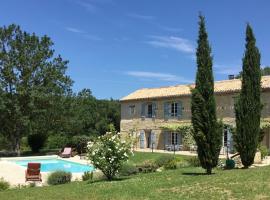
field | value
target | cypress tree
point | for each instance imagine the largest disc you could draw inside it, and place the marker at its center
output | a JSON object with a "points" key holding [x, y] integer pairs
{"points": [[207, 130], [248, 107]]}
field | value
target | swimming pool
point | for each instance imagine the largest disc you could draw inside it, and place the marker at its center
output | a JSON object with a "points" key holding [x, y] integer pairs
{"points": [[50, 165]]}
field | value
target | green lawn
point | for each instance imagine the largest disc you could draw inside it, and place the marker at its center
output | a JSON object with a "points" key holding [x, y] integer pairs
{"points": [[139, 157], [185, 183]]}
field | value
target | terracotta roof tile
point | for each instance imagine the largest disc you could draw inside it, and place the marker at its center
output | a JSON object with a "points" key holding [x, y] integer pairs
{"points": [[225, 86]]}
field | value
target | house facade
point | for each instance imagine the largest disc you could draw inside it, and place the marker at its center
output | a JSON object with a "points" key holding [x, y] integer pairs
{"points": [[147, 113]]}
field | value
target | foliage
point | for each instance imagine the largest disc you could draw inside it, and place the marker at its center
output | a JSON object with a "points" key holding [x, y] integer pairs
{"points": [[264, 151], [108, 153], [32, 80], [36, 141], [147, 166], [4, 185], [59, 177], [207, 131], [8, 154], [36, 95], [128, 169], [88, 176], [186, 131], [57, 141], [79, 142], [172, 164], [230, 164], [164, 159], [247, 124], [194, 161], [264, 72]]}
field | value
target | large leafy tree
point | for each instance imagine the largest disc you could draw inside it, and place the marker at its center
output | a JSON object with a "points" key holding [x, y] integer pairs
{"points": [[248, 107], [32, 81], [207, 130]]}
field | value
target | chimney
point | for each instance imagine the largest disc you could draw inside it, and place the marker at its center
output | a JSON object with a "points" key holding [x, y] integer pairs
{"points": [[231, 77]]}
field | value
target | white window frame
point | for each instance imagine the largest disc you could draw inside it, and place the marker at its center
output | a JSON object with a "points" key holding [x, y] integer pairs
{"points": [[174, 138], [173, 109]]}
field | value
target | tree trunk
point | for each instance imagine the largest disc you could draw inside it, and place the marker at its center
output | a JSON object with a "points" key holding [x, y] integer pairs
{"points": [[209, 171], [16, 143]]}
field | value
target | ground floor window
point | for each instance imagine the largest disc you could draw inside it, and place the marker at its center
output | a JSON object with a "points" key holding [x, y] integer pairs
{"points": [[172, 138]]}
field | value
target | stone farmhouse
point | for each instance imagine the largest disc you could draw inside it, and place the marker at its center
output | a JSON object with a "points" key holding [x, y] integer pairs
{"points": [[147, 114]]}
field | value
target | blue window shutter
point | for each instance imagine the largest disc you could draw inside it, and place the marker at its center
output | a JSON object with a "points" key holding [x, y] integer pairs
{"points": [[179, 138], [142, 139], [153, 139], [165, 138], [143, 110], [154, 108], [179, 109], [166, 110]]}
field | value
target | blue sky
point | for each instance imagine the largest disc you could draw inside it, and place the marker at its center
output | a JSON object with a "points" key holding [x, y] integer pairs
{"points": [[117, 46]]}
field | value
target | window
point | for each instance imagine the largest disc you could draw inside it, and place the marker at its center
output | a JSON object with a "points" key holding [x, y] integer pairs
{"points": [[174, 138], [149, 110], [132, 110], [174, 110]]}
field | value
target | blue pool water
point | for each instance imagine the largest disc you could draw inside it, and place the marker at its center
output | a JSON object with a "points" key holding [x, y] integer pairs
{"points": [[50, 165]]}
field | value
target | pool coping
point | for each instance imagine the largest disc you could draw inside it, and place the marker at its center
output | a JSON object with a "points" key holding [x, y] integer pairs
{"points": [[14, 173], [71, 159]]}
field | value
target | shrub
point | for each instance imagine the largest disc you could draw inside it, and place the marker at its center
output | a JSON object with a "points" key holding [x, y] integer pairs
{"points": [[164, 159], [172, 164], [230, 164], [4, 185], [108, 153], [79, 142], [24, 146], [264, 151], [183, 163], [147, 166], [128, 169], [88, 176], [194, 161], [8, 154], [59, 177], [57, 141], [36, 142]]}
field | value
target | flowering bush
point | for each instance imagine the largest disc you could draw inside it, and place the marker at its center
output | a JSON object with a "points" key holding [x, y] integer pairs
{"points": [[108, 153]]}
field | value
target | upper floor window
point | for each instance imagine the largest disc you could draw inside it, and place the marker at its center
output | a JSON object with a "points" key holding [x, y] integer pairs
{"points": [[148, 110], [172, 109], [132, 109]]}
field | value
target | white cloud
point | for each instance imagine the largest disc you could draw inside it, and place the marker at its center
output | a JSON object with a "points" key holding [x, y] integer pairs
{"points": [[227, 69], [169, 29], [158, 76], [74, 30], [87, 5], [172, 42], [141, 17], [83, 33]]}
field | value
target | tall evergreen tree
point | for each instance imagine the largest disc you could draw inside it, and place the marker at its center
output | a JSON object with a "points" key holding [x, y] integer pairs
{"points": [[248, 107], [207, 130]]}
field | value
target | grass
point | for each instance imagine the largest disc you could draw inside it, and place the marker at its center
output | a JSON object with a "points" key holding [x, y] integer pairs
{"points": [[139, 157], [184, 183]]}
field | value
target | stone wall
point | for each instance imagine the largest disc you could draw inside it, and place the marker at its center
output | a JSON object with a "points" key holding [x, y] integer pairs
{"points": [[136, 123]]}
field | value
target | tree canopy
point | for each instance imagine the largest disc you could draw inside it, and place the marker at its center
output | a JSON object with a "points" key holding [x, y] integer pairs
{"points": [[36, 94]]}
